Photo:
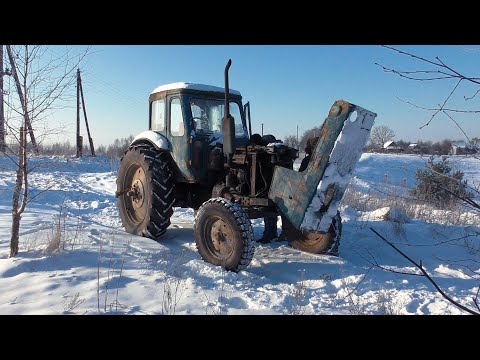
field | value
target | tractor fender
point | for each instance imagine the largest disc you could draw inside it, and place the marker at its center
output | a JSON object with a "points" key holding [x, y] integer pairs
{"points": [[158, 140]]}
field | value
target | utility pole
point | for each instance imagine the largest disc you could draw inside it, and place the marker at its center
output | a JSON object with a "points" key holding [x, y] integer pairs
{"points": [[298, 146], [262, 129], [2, 114], [79, 139], [90, 140], [26, 116]]}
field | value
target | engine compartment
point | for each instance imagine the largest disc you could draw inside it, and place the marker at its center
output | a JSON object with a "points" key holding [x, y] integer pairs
{"points": [[248, 178]]}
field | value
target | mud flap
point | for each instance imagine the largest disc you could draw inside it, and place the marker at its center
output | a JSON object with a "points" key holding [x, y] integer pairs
{"points": [[310, 199]]}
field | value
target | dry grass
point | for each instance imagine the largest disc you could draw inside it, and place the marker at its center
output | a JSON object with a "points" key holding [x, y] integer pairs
{"points": [[414, 209], [385, 302], [114, 275], [30, 243], [298, 296], [60, 237], [388, 305], [72, 302], [218, 306], [56, 237], [173, 289], [346, 294]]}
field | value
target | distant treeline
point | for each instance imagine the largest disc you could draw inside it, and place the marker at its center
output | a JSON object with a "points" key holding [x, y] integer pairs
{"points": [[113, 151], [118, 147], [443, 147]]}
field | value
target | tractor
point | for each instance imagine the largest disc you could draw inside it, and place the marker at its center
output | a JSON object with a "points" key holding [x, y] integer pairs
{"points": [[200, 153]]}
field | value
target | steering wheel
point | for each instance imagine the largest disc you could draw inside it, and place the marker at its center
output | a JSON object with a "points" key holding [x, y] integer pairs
{"points": [[198, 122]]}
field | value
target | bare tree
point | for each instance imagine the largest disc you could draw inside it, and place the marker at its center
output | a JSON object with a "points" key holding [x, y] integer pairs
{"points": [[380, 135], [437, 70], [42, 80]]}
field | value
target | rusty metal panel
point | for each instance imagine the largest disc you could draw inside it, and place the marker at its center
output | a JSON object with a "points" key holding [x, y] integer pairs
{"points": [[293, 192]]}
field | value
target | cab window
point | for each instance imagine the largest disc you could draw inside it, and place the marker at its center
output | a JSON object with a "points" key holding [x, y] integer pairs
{"points": [[158, 115], [176, 118]]}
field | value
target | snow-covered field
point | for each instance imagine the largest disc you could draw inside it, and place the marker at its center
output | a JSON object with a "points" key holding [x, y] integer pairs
{"points": [[101, 269]]}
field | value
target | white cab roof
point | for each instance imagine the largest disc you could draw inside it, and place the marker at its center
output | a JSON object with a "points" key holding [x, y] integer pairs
{"points": [[200, 87]]}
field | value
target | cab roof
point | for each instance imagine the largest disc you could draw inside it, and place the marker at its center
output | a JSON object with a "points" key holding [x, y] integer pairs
{"points": [[191, 86]]}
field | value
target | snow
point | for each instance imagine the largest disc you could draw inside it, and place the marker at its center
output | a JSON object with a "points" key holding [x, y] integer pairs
{"points": [[388, 213], [387, 144], [101, 269], [389, 172], [192, 86], [275, 144]]}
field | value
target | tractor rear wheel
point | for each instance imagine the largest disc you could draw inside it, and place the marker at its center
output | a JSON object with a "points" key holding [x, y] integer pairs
{"points": [[224, 234], [145, 191], [317, 243]]}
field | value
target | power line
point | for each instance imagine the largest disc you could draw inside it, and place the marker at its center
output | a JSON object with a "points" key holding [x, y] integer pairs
{"points": [[113, 88]]}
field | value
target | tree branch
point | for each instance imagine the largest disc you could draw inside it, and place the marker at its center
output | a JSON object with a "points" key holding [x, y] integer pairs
{"points": [[464, 133], [471, 97], [375, 263], [453, 73], [437, 109], [420, 267], [356, 286], [406, 74], [40, 193], [475, 299], [412, 55], [443, 105]]}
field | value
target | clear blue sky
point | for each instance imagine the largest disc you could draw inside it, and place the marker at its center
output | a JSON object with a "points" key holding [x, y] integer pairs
{"points": [[286, 85]]}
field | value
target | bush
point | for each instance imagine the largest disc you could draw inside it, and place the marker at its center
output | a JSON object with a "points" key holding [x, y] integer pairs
{"points": [[439, 186]]}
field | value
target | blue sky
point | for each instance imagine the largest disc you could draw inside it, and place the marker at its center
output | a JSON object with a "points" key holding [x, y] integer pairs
{"points": [[286, 85]]}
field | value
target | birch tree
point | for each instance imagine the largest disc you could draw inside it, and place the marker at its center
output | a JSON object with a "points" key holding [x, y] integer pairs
{"points": [[42, 79]]}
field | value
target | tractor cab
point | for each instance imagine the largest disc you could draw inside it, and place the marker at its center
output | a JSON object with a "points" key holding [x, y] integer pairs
{"points": [[188, 117]]}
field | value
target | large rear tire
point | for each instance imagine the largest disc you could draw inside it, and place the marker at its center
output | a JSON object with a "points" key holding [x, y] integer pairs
{"points": [[224, 234], [319, 243], [145, 191]]}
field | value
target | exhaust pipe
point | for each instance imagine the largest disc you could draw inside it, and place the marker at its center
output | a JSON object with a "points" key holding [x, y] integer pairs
{"points": [[227, 88], [228, 122]]}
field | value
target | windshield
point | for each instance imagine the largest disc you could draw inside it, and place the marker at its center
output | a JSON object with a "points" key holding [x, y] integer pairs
{"points": [[207, 116]]}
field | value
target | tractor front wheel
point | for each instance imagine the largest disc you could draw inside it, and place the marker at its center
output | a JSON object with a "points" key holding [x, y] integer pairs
{"points": [[224, 234]]}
